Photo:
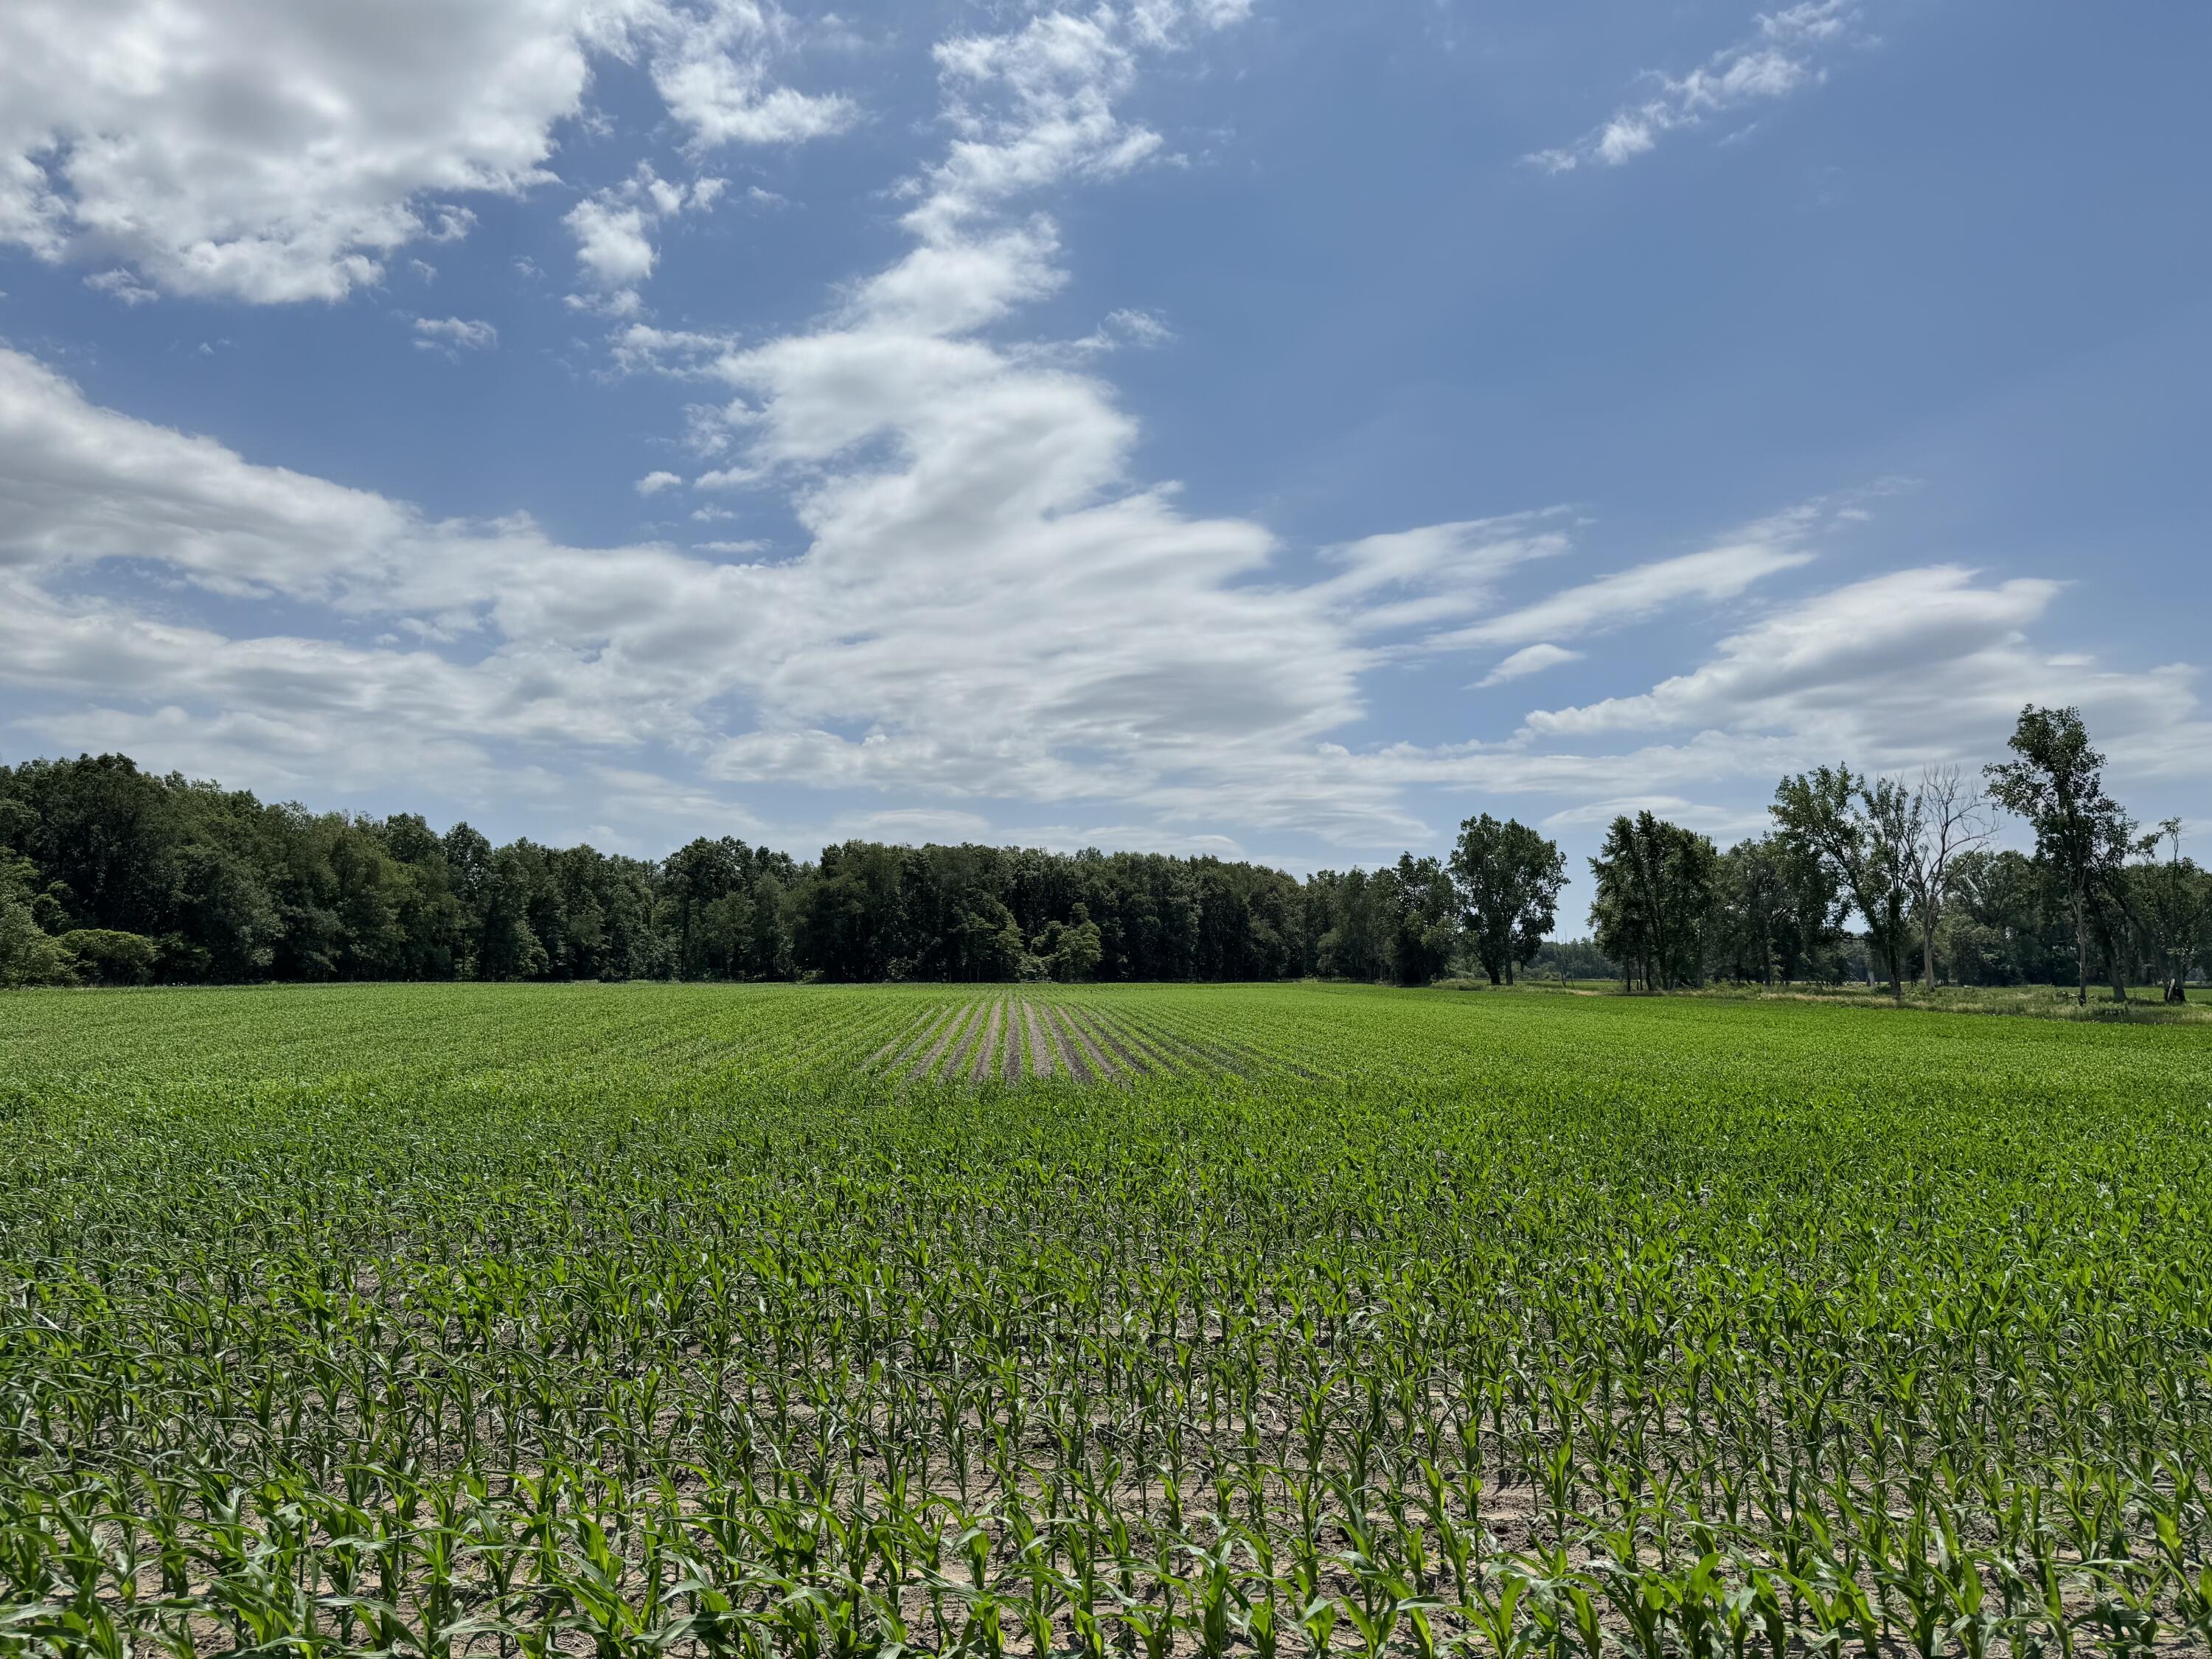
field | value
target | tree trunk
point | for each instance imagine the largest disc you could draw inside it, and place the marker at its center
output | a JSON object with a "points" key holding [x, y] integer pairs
{"points": [[2081, 954], [1896, 920], [1928, 949]]}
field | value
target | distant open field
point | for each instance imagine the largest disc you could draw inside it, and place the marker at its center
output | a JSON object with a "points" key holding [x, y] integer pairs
{"points": [[821, 1321], [2145, 1005]]}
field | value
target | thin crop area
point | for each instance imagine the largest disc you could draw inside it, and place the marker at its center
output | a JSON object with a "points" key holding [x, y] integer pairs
{"points": [[824, 1321]]}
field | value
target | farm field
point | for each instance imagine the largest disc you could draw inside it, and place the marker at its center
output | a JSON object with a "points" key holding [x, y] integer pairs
{"points": [[821, 1321]]}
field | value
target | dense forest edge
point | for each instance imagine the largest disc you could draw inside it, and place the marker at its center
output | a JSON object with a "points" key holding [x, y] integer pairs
{"points": [[111, 874]]}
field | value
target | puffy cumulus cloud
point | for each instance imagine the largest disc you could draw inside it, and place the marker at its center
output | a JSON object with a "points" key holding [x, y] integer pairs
{"points": [[1782, 54], [613, 227], [269, 151], [709, 62], [612, 245], [1028, 109]]}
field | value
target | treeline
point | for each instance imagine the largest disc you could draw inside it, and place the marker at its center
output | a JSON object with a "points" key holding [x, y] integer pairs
{"points": [[111, 874], [2102, 896]]}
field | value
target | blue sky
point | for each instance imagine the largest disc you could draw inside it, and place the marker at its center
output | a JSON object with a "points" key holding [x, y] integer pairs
{"points": [[1267, 429]]}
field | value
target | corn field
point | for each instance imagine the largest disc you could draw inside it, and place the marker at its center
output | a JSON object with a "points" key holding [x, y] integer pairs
{"points": [[819, 1322]]}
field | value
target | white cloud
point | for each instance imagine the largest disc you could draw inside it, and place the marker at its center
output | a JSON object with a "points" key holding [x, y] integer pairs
{"points": [[1723, 824], [610, 241], [911, 826], [981, 604], [642, 349], [1916, 663], [710, 64], [1410, 578], [1140, 661], [1631, 595], [454, 335], [1781, 55], [610, 226], [81, 482], [1893, 672], [271, 151], [120, 285], [1118, 331], [1032, 106], [1529, 659]]}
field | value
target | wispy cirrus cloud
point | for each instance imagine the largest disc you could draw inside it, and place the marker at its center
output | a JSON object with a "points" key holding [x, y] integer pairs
{"points": [[1631, 595], [1529, 659], [1783, 53]]}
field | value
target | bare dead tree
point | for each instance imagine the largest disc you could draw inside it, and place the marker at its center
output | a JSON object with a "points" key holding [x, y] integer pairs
{"points": [[1952, 816]]}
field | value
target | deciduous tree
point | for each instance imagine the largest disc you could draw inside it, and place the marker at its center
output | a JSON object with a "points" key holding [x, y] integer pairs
{"points": [[2173, 901], [2058, 784], [1862, 830], [1952, 820], [1655, 899], [1508, 880]]}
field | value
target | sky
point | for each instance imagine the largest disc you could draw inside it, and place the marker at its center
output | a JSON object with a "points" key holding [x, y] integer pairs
{"points": [[1248, 426]]}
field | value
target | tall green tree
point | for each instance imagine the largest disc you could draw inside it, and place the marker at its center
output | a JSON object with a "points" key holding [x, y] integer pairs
{"points": [[1423, 912], [28, 954], [2058, 784], [2002, 920], [1350, 925], [1654, 900], [1863, 830], [2173, 901], [1508, 880], [1752, 913], [1069, 952]]}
